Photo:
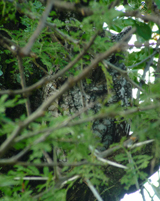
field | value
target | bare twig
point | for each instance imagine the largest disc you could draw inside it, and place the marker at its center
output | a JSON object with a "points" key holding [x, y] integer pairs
{"points": [[56, 30], [142, 193], [157, 72], [68, 123], [113, 4], [61, 34], [146, 69], [40, 67], [106, 153], [93, 189], [50, 78], [145, 44], [25, 50], [13, 47], [96, 153], [124, 74], [70, 83], [126, 144], [112, 163], [32, 178], [150, 56], [59, 184], [137, 14], [85, 11], [23, 83], [138, 144], [61, 125], [131, 161], [47, 157]]}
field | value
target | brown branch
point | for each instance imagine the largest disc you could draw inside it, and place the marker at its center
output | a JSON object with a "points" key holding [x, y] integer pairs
{"points": [[85, 11], [12, 46], [63, 164], [23, 83], [61, 34], [150, 56], [157, 72], [66, 123], [69, 84], [50, 78], [137, 14], [27, 90], [123, 73], [51, 25], [104, 154], [61, 125], [40, 111], [25, 50], [93, 189], [113, 4], [40, 67]]}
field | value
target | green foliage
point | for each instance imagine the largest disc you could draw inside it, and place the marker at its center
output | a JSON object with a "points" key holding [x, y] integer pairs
{"points": [[47, 134], [143, 30]]}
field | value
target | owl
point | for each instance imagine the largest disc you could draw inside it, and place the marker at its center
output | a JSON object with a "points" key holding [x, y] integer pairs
{"points": [[106, 130]]}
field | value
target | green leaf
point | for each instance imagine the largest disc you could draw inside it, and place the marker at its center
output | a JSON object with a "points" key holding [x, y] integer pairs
{"points": [[158, 3], [143, 30]]}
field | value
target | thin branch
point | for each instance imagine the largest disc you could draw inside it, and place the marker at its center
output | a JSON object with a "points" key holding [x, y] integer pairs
{"points": [[157, 72], [106, 153], [93, 189], [148, 193], [59, 184], [68, 123], [70, 179], [127, 144], [47, 157], [145, 44], [11, 161], [61, 125], [25, 50], [112, 163], [12, 47], [85, 11], [106, 160], [52, 25], [113, 4], [59, 74], [150, 56], [142, 193], [141, 143], [113, 114], [32, 178], [124, 74], [61, 34], [23, 84], [40, 67], [131, 161], [137, 14], [146, 69], [69, 83]]}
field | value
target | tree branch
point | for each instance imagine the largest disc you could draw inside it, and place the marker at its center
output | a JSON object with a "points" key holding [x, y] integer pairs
{"points": [[137, 14], [70, 83], [23, 83], [59, 74], [93, 189], [124, 74], [150, 56], [25, 50]]}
